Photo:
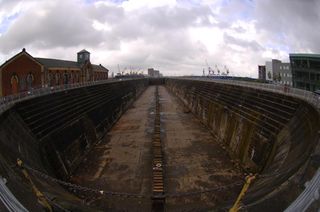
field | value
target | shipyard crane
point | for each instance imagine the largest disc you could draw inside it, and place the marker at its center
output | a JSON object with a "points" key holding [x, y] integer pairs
{"points": [[118, 69], [227, 70], [124, 71], [210, 70], [218, 70]]}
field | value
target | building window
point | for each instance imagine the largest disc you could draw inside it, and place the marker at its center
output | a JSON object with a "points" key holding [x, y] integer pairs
{"points": [[77, 77], [14, 81], [87, 74], [29, 80], [57, 78], [22, 83], [65, 78], [51, 79], [71, 77]]}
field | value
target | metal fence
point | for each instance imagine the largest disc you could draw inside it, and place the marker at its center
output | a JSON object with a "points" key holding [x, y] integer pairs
{"points": [[8, 199], [308, 196], [308, 96], [8, 101]]}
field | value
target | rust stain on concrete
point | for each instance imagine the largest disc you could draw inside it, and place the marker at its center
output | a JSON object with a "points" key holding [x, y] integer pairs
{"points": [[193, 159]]}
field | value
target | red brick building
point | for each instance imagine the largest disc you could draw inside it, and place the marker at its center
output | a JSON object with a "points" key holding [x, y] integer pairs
{"points": [[23, 72]]}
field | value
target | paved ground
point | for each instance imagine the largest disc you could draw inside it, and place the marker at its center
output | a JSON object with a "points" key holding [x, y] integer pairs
{"points": [[122, 161], [194, 161]]}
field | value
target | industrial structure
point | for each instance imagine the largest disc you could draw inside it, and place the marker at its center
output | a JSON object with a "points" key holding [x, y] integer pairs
{"points": [[161, 144], [24, 72], [306, 71], [215, 71]]}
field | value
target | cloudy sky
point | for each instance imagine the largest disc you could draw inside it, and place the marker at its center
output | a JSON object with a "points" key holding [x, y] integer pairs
{"points": [[175, 36]]}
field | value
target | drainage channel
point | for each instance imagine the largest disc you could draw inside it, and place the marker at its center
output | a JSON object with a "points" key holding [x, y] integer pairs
{"points": [[158, 190]]}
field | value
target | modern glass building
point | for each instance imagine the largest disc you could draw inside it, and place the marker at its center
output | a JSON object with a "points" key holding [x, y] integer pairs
{"points": [[305, 71]]}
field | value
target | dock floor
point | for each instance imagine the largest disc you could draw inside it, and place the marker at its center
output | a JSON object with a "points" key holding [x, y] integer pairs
{"points": [[194, 161]]}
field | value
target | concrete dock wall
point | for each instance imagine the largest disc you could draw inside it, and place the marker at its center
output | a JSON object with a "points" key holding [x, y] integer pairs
{"points": [[267, 133]]}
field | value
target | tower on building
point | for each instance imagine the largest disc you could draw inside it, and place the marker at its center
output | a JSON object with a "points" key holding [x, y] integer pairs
{"points": [[83, 56]]}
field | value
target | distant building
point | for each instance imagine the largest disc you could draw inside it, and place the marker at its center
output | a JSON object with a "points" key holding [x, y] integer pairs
{"points": [[156, 73], [24, 72], [269, 71], [153, 73], [306, 71], [278, 72], [150, 72], [262, 72]]}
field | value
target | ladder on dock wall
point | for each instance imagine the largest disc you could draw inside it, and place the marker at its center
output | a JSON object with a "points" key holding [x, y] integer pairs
{"points": [[158, 191]]}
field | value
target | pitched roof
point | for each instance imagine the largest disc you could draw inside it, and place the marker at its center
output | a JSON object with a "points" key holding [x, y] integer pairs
{"points": [[55, 63], [83, 50], [99, 67], [23, 52]]}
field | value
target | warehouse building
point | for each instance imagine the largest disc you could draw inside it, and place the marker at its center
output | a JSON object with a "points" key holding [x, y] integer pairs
{"points": [[24, 72]]}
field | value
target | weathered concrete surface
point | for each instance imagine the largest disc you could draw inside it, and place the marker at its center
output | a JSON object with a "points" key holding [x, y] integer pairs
{"points": [[265, 132], [121, 162], [194, 159]]}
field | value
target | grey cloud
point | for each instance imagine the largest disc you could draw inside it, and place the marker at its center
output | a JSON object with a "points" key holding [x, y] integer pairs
{"points": [[177, 17], [158, 21], [239, 29], [106, 13], [8, 4], [52, 26], [235, 10], [297, 20], [163, 32], [160, 36], [253, 45], [130, 28]]}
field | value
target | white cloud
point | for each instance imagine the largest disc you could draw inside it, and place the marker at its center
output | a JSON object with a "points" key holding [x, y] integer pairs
{"points": [[175, 36], [146, 4]]}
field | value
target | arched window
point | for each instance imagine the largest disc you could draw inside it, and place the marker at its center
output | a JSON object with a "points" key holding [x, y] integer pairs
{"points": [[76, 77], [22, 83], [87, 75], [14, 83], [57, 78], [29, 80], [51, 78], [65, 78], [71, 77]]}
